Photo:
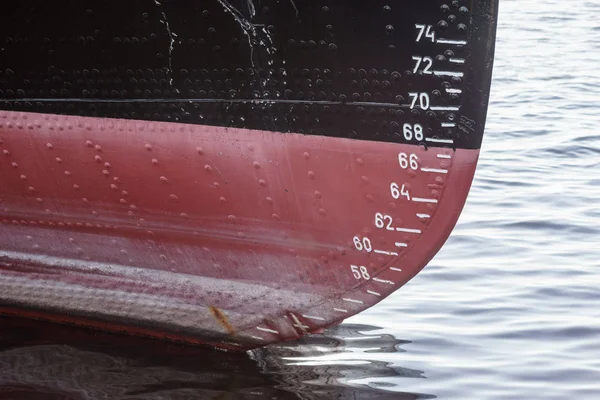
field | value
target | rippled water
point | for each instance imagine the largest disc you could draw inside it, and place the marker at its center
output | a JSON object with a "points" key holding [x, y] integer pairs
{"points": [[510, 308]]}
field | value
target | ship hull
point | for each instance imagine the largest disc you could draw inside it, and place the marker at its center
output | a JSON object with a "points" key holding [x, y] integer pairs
{"points": [[228, 172]]}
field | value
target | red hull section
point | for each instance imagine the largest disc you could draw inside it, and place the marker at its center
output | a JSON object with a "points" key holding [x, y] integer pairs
{"points": [[233, 237]]}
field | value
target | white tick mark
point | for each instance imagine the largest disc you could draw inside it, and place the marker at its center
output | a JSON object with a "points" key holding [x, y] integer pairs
{"points": [[313, 317], [352, 300], [432, 140], [445, 108], [387, 253], [453, 42], [449, 73], [408, 230], [435, 170], [422, 200], [383, 281]]}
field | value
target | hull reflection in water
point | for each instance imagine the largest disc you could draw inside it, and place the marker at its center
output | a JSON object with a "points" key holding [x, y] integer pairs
{"points": [[39, 360]]}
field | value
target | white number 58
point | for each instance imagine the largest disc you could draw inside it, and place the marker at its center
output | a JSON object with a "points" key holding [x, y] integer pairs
{"points": [[360, 272]]}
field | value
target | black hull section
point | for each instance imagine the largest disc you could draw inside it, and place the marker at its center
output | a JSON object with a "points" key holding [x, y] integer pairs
{"points": [[337, 68]]}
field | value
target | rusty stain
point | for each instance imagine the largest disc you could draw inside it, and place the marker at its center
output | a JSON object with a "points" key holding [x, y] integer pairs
{"points": [[222, 319]]}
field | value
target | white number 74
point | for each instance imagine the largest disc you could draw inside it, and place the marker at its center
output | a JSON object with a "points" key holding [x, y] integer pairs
{"points": [[427, 29]]}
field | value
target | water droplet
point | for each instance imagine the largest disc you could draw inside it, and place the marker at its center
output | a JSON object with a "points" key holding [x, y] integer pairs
{"points": [[173, 196], [311, 175], [148, 147], [164, 179], [207, 168], [49, 146], [306, 155]]}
